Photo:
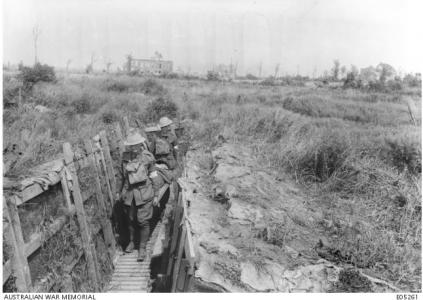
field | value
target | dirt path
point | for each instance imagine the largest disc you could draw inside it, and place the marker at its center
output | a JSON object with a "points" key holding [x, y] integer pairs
{"points": [[263, 235]]}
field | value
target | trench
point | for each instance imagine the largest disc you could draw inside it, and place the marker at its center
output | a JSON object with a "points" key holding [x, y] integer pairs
{"points": [[167, 267], [64, 232]]}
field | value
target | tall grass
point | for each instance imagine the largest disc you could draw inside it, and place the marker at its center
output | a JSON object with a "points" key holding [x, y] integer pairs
{"points": [[354, 148]]}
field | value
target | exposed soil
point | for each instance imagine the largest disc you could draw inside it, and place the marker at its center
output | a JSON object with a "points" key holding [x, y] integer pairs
{"points": [[255, 230]]}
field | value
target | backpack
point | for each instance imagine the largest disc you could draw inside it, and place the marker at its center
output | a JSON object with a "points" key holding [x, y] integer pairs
{"points": [[137, 172], [162, 147]]}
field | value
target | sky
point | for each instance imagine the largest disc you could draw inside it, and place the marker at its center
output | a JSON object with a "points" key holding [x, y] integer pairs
{"points": [[301, 36]]}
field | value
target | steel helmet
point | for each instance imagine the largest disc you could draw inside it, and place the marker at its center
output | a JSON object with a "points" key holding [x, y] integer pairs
{"points": [[152, 128], [134, 139], [165, 121]]}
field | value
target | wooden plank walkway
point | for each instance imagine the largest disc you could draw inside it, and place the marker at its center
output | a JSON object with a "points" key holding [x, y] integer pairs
{"points": [[131, 276]]}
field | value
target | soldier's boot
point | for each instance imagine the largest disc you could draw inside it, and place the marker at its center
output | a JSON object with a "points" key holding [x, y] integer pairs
{"points": [[144, 235], [142, 253], [131, 245]]}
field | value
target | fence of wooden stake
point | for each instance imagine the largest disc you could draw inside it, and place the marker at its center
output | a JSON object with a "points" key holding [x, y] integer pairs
{"points": [[87, 242], [109, 164], [20, 265]]}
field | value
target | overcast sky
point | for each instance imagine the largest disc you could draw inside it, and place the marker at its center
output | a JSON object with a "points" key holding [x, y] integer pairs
{"points": [[301, 35]]}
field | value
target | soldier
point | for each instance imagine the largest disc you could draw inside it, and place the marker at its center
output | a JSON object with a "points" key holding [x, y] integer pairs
{"points": [[182, 142], [164, 150], [152, 131], [137, 190], [169, 138], [160, 176]]}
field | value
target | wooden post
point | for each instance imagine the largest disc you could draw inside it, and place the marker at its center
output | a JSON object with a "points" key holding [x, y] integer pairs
{"points": [[20, 97], [20, 265], [109, 163], [120, 138], [106, 176], [126, 125], [65, 189], [178, 214], [87, 242], [181, 247], [183, 277], [105, 223]]}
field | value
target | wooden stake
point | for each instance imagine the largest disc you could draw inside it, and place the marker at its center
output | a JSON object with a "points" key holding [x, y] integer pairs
{"points": [[105, 223], [20, 265], [177, 217], [87, 242], [109, 163], [120, 138], [100, 158], [65, 189], [126, 125], [181, 247]]}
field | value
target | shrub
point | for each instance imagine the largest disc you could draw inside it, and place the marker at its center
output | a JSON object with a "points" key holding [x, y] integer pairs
{"points": [[10, 93], [351, 80], [261, 98], [413, 80], [405, 153], [394, 85], [152, 87], [160, 107], [171, 75], [117, 87], [39, 72], [82, 105], [212, 76], [314, 151], [251, 77], [269, 81], [109, 117]]}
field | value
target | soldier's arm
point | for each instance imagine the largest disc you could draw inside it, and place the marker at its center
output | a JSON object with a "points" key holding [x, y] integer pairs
{"points": [[124, 184]]}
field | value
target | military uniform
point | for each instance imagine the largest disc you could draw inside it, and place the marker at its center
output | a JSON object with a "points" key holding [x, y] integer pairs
{"points": [[137, 197]]}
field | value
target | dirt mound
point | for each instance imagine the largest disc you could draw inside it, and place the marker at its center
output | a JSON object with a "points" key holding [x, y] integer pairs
{"points": [[266, 237]]}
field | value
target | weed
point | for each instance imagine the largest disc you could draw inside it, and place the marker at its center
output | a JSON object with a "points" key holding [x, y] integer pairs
{"points": [[152, 87], [160, 107], [30, 76]]}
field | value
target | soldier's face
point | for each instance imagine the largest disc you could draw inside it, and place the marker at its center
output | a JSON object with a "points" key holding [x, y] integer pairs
{"points": [[165, 129], [135, 148]]}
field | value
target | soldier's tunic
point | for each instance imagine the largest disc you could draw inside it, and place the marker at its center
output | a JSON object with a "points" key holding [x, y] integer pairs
{"points": [[166, 158], [138, 198]]}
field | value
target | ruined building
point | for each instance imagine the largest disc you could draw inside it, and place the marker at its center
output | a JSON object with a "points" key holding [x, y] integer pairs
{"points": [[148, 66]]}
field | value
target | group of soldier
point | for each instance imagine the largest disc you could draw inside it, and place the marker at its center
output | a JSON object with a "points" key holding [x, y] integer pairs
{"points": [[149, 161]]}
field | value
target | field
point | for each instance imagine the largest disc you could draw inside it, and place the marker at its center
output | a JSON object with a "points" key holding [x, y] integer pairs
{"points": [[357, 154]]}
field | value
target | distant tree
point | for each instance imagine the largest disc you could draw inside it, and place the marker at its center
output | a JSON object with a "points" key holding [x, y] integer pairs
{"points": [[90, 66], [251, 77], [128, 65], [36, 34], [260, 69], [235, 68], [368, 75], [39, 72], [212, 75], [108, 65], [335, 69], [413, 80], [343, 71], [276, 70], [354, 70], [351, 80], [385, 72], [68, 62]]}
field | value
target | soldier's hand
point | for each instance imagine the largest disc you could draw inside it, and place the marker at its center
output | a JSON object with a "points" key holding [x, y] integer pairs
{"points": [[156, 201]]}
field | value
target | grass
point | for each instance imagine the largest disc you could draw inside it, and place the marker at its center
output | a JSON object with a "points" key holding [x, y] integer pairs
{"points": [[357, 149]]}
